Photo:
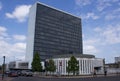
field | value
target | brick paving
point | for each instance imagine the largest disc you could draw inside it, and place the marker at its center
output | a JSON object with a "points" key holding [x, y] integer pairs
{"points": [[64, 77], [6, 79], [81, 76], [108, 78]]}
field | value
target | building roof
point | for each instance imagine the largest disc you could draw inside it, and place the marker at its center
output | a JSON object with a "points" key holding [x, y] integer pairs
{"points": [[76, 55], [56, 9]]}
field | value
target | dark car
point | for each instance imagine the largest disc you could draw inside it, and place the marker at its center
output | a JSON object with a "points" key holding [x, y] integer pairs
{"points": [[12, 74], [7, 72]]}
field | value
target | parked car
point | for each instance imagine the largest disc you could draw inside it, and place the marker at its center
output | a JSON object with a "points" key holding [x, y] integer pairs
{"points": [[19, 73], [7, 72], [28, 73], [12, 74], [23, 73]]}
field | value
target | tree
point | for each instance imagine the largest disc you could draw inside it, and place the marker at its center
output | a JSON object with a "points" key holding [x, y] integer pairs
{"points": [[73, 65], [36, 63], [51, 66]]}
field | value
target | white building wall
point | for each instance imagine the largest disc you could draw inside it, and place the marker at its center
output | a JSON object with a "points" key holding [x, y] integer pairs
{"points": [[15, 65], [86, 65], [113, 70], [31, 31]]}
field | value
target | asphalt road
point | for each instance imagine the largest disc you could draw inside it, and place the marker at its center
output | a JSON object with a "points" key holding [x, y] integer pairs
{"points": [[110, 78]]}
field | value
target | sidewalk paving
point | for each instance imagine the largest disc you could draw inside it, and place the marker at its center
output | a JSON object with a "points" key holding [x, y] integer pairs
{"points": [[80, 76], [6, 79]]}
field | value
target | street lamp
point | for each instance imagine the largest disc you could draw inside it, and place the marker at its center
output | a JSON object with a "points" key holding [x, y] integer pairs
{"points": [[3, 67]]}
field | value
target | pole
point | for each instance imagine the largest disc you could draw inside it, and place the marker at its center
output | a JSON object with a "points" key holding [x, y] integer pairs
{"points": [[3, 67]]}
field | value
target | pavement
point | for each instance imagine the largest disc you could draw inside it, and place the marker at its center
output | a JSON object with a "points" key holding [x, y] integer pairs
{"points": [[81, 76], [5, 78], [62, 77], [108, 78]]}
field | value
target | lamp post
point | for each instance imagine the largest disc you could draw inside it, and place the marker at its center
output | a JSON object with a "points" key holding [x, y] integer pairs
{"points": [[3, 67]]}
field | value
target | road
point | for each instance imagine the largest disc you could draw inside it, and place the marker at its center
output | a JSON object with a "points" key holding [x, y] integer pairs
{"points": [[110, 78]]}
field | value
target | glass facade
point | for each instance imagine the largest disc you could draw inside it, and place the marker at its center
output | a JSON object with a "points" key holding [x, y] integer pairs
{"points": [[56, 32]]}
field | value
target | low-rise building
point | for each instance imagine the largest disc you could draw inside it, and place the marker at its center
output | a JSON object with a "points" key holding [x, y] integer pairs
{"points": [[18, 65], [87, 64], [117, 59], [113, 67]]}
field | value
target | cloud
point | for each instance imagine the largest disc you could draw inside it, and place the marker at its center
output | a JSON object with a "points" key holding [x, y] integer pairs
{"points": [[102, 39], [82, 2], [103, 4], [114, 14], [19, 37], [19, 47], [20, 13], [89, 46], [109, 34], [11, 49], [110, 17], [100, 5], [97, 29], [0, 5], [90, 16], [89, 49], [3, 31], [112, 34]]}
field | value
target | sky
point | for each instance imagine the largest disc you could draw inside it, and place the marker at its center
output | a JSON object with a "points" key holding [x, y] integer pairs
{"points": [[100, 26]]}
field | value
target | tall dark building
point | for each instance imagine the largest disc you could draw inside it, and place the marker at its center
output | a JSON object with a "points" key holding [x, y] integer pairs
{"points": [[53, 32]]}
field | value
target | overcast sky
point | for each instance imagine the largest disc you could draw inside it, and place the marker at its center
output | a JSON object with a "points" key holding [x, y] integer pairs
{"points": [[100, 26]]}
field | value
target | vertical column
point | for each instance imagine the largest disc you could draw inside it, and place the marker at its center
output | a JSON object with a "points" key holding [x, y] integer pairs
{"points": [[65, 66], [79, 66], [82, 66], [87, 66], [57, 65], [60, 63], [91, 66], [62, 67]]}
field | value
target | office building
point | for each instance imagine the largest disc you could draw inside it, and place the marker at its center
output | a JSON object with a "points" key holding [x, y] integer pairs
{"points": [[52, 32]]}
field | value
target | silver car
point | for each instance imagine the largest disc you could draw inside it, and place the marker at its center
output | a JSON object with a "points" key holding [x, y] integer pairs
{"points": [[28, 73]]}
